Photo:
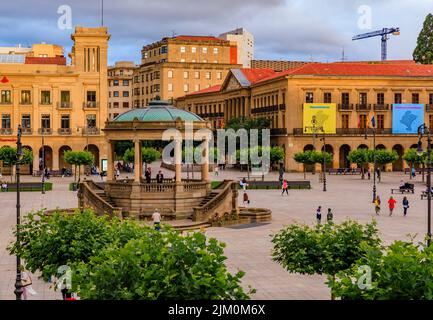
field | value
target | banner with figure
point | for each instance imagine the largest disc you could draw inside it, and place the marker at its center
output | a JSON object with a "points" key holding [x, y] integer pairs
{"points": [[318, 116], [406, 118]]}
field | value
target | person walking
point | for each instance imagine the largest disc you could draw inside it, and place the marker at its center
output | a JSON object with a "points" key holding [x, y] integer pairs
{"points": [[156, 217], [413, 172], [377, 205], [369, 173], [391, 204], [378, 174], [216, 171], [405, 206], [285, 187], [27, 284], [329, 215], [319, 215]]}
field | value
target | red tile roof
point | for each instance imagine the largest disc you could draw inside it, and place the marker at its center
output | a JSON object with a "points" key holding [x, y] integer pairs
{"points": [[255, 75], [197, 38], [52, 60], [359, 69], [207, 90]]}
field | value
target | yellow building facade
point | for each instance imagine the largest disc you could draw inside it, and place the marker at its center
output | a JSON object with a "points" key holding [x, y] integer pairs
{"points": [[358, 90], [63, 106]]}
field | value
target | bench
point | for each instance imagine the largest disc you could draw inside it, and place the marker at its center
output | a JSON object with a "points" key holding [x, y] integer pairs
{"points": [[405, 190], [27, 186], [419, 171], [344, 171], [424, 195]]}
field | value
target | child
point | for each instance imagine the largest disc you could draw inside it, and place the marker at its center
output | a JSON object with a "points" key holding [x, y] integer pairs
{"points": [[377, 205]]}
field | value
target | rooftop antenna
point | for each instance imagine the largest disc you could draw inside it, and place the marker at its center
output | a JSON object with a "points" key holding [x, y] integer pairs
{"points": [[343, 56], [102, 13], [173, 33]]}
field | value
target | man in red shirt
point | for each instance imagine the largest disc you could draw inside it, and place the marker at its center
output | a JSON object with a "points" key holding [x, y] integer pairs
{"points": [[391, 203]]}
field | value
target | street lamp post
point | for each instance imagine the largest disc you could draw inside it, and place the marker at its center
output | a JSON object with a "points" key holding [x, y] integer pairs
{"points": [[43, 161], [374, 160], [423, 129], [314, 130], [324, 161], [18, 283]]}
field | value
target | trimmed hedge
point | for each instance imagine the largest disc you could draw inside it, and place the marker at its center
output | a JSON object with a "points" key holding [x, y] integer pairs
{"points": [[30, 187]]}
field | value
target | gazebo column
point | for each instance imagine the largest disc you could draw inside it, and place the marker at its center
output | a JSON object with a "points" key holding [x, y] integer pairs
{"points": [[205, 164], [137, 161], [110, 162], [178, 159]]}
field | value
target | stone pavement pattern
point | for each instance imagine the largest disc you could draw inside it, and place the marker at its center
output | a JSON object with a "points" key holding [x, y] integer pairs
{"points": [[249, 249]]}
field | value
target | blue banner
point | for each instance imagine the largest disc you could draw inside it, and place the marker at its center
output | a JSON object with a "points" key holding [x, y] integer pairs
{"points": [[406, 118]]}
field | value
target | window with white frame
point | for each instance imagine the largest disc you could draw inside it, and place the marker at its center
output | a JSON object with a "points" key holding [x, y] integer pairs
{"points": [[182, 49], [193, 49], [219, 75], [182, 60], [170, 73], [208, 75], [170, 87], [185, 87], [185, 74], [197, 74], [215, 50], [204, 50], [197, 87]]}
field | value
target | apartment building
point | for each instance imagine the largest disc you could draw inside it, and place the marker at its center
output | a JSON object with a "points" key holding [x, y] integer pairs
{"points": [[120, 79], [245, 45], [175, 66]]}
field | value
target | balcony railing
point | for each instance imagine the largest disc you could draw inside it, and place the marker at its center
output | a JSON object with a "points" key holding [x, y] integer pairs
{"points": [[45, 131], [429, 107], [25, 103], [64, 131], [379, 107], [6, 102], [91, 104], [348, 131], [265, 109], [91, 131], [64, 104], [26, 131], [46, 103], [345, 106], [279, 132], [363, 106], [282, 107], [6, 131]]}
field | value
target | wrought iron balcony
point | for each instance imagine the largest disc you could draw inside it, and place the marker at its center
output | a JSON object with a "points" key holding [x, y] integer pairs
{"points": [[45, 131], [348, 131], [6, 131], [363, 107], [345, 106], [26, 102], [46, 103], [64, 104], [91, 104], [26, 131], [429, 107], [64, 131], [379, 107], [90, 131], [6, 102], [279, 132]]}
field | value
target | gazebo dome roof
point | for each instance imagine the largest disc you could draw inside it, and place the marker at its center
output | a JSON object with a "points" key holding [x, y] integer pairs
{"points": [[157, 110]]}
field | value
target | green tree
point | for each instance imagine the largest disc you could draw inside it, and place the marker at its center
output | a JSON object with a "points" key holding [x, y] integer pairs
{"points": [[412, 158], [403, 271], [121, 146], [148, 155], [320, 157], [9, 157], [277, 154], [78, 159], [132, 261], [323, 249], [162, 265], [382, 157], [360, 158], [423, 52], [306, 158]]}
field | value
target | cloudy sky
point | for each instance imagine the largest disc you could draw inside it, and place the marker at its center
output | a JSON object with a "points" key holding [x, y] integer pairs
{"points": [[283, 29]]}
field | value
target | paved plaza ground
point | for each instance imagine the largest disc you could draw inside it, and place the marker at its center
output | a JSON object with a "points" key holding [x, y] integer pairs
{"points": [[249, 247]]}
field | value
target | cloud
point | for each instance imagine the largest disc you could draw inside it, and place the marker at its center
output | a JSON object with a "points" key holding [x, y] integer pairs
{"points": [[283, 29]]}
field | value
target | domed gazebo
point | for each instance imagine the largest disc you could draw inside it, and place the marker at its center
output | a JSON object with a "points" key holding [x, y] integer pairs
{"points": [[175, 198]]}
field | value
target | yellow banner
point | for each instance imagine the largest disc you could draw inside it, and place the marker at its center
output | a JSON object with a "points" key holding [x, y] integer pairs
{"points": [[320, 118]]}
